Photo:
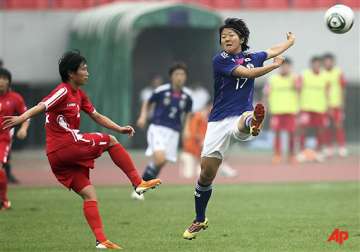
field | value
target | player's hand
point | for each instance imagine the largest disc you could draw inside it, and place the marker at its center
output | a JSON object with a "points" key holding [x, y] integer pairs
{"points": [[127, 130], [290, 37], [11, 121], [21, 134], [141, 122], [278, 60]]}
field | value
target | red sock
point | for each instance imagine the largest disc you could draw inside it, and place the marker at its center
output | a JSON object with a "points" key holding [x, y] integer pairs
{"points": [[277, 143], [320, 138], [291, 143], [93, 218], [3, 186], [302, 141], [328, 137], [123, 160], [340, 137]]}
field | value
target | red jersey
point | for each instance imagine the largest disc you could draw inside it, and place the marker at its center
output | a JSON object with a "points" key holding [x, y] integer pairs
{"points": [[62, 123], [11, 103]]}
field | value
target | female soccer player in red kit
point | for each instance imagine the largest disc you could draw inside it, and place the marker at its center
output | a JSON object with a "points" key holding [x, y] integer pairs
{"points": [[11, 103], [70, 153]]}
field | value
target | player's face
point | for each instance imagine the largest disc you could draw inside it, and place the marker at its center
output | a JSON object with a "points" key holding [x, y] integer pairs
{"points": [[4, 84], [316, 66], [328, 63], [285, 69], [178, 77], [230, 41], [81, 76]]}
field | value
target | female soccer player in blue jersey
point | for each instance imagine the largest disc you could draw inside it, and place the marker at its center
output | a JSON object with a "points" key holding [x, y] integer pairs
{"points": [[172, 108], [233, 115]]}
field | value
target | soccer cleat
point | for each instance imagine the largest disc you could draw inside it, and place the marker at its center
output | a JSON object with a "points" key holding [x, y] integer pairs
{"points": [[5, 205], [257, 119], [191, 232], [134, 195], [343, 152], [328, 152], [276, 159], [146, 185], [107, 245], [227, 171]]}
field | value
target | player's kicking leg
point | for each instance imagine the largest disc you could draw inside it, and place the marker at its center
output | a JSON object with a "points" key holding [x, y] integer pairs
{"points": [[251, 122], [257, 119], [122, 159]]}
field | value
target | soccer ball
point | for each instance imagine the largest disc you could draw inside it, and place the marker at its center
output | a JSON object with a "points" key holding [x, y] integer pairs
{"points": [[339, 18]]}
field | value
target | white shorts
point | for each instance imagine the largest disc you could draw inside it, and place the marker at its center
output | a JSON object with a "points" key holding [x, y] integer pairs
{"points": [[161, 138], [219, 135]]}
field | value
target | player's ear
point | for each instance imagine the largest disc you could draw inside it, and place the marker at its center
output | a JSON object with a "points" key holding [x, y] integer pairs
{"points": [[241, 40], [70, 75]]}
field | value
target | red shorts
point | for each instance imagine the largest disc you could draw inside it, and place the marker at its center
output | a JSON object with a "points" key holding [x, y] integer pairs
{"points": [[313, 119], [5, 147], [71, 164], [336, 115], [283, 122]]}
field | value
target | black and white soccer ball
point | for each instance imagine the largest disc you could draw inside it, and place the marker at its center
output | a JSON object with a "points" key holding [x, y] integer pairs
{"points": [[339, 18]]}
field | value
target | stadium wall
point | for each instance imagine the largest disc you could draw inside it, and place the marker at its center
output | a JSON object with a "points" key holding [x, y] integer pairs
{"points": [[31, 42]]}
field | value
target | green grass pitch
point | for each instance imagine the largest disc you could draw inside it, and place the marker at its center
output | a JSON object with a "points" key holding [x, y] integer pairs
{"points": [[245, 217]]}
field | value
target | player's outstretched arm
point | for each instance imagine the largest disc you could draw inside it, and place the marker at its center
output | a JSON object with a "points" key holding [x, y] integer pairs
{"points": [[22, 132], [11, 121], [141, 122], [108, 123], [280, 48], [186, 130], [245, 72]]}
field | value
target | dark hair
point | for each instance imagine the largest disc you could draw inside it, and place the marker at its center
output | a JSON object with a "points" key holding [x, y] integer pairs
{"points": [[287, 60], [315, 58], [5, 73], [239, 26], [1, 63], [328, 55], [70, 62], [176, 66]]}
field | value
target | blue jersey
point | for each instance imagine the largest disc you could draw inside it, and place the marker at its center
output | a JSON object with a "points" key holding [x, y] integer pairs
{"points": [[233, 95], [170, 105]]}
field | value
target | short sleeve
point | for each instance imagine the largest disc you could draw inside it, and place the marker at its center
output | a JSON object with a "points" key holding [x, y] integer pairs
{"points": [[20, 105], [189, 105], [55, 98], [224, 64], [155, 97], [86, 104], [259, 58]]}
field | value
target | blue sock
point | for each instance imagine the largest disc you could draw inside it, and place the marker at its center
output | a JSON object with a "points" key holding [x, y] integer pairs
{"points": [[202, 196], [150, 172]]}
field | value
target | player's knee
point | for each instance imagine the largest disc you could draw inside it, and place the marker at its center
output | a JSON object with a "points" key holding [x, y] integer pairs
{"points": [[88, 193], [113, 140], [207, 175], [159, 159]]}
